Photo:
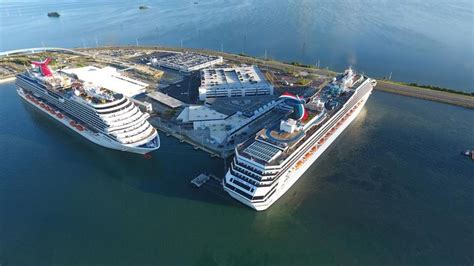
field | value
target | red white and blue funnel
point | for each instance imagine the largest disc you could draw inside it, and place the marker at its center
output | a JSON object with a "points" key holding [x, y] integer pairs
{"points": [[298, 102]]}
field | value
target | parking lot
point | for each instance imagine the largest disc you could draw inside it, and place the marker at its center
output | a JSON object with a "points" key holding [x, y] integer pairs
{"points": [[186, 90]]}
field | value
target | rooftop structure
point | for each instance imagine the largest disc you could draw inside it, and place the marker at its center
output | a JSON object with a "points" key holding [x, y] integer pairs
{"points": [[165, 99], [195, 113], [248, 105], [233, 82], [109, 78], [187, 61]]}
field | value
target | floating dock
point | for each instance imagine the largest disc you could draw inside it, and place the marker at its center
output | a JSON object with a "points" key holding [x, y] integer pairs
{"points": [[200, 180]]}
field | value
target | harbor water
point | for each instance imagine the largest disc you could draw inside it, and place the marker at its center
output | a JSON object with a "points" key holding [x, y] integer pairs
{"points": [[393, 189], [428, 42]]}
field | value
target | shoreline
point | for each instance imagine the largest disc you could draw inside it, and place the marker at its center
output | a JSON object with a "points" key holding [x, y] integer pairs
{"points": [[6, 80], [394, 87], [452, 98], [461, 100]]}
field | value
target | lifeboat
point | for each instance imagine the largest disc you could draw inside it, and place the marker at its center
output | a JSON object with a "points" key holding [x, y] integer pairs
{"points": [[72, 123], [42, 105], [59, 115], [314, 149], [299, 164], [79, 127]]}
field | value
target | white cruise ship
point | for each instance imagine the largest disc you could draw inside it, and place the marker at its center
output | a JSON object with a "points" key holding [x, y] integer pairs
{"points": [[100, 115], [266, 166]]}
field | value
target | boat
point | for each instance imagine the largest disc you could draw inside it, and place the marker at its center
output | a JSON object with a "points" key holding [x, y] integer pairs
{"points": [[53, 14], [265, 167], [101, 116], [469, 153]]}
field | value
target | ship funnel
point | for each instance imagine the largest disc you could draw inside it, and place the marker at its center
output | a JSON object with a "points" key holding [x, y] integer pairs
{"points": [[43, 66]]}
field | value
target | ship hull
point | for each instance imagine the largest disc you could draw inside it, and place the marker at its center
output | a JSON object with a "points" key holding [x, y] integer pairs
{"points": [[97, 138], [290, 178]]}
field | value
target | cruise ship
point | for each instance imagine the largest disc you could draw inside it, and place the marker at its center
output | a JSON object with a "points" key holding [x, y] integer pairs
{"points": [[106, 118], [266, 166]]}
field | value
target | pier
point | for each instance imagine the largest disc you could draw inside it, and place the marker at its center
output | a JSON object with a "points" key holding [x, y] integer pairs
{"points": [[182, 139]]}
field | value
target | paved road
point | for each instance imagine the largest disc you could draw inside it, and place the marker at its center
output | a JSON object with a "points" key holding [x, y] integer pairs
{"points": [[427, 94]]}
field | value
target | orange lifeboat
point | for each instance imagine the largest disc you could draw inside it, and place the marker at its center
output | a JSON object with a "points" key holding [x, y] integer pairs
{"points": [[314, 149], [59, 115], [79, 127], [299, 164], [72, 123]]}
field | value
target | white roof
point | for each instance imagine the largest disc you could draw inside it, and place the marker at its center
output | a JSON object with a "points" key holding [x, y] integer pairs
{"points": [[244, 76], [200, 113], [109, 78], [165, 99]]}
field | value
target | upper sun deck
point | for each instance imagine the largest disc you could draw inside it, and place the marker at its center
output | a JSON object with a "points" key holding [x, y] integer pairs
{"points": [[68, 85]]}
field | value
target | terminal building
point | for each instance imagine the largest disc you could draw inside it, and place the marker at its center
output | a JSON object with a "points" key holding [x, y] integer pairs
{"points": [[221, 123], [187, 61], [233, 82]]}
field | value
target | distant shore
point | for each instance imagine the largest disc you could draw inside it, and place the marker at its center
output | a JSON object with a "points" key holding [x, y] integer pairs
{"points": [[426, 94], [453, 98], [430, 93]]}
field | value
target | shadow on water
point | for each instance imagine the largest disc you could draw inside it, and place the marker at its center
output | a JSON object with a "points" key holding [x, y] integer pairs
{"points": [[168, 172]]}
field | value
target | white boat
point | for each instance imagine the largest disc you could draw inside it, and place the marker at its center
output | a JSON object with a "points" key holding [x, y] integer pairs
{"points": [[265, 167], [97, 114]]}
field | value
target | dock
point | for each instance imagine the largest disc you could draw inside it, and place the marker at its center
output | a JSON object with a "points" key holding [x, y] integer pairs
{"points": [[182, 139], [200, 180]]}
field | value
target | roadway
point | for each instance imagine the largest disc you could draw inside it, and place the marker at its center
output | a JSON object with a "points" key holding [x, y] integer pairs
{"points": [[427, 94]]}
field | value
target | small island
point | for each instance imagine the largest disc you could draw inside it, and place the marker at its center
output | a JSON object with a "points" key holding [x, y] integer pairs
{"points": [[53, 14], [143, 7]]}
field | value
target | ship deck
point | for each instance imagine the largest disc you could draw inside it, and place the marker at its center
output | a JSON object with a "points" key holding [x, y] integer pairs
{"points": [[289, 143]]}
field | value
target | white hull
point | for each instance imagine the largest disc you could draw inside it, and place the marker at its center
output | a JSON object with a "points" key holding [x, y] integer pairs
{"points": [[291, 176], [96, 138]]}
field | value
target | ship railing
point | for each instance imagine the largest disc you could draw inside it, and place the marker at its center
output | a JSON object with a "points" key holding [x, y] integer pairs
{"points": [[252, 169], [131, 130], [152, 132], [246, 172]]}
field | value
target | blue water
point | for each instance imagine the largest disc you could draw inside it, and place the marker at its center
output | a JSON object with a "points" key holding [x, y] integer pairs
{"points": [[429, 42], [392, 190]]}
